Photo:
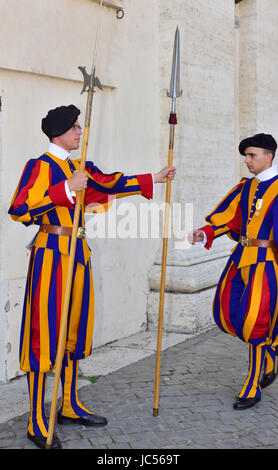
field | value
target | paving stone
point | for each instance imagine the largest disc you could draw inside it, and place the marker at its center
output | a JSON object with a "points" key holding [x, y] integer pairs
{"points": [[200, 378]]}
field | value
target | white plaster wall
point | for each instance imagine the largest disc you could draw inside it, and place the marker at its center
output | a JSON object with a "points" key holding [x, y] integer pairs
{"points": [[42, 44]]}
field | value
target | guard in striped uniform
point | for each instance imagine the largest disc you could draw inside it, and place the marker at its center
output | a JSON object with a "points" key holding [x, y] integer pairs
{"points": [[45, 196], [246, 301]]}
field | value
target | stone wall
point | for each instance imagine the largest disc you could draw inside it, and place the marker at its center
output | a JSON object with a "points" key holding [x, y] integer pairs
{"points": [[230, 79], [258, 74], [204, 152]]}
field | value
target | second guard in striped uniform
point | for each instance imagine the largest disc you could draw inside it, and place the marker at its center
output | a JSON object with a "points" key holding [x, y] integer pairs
{"points": [[246, 299]]}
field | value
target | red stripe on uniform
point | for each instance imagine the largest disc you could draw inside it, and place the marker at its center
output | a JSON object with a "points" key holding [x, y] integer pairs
{"points": [[22, 195], [226, 296], [263, 320]]}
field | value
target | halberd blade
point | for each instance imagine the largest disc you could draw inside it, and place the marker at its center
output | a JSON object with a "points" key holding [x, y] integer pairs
{"points": [[90, 81], [175, 91]]}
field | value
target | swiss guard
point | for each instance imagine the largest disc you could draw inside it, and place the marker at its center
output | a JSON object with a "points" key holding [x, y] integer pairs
{"points": [[246, 300], [45, 196]]}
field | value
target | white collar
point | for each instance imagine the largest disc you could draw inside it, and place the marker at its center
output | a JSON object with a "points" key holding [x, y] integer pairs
{"points": [[57, 151], [267, 174]]}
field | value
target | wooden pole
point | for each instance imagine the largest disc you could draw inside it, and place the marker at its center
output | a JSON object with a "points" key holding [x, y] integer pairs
{"points": [[163, 274], [64, 316]]}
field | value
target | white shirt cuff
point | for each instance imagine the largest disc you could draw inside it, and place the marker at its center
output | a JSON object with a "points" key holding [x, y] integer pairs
{"points": [[204, 241], [69, 193]]}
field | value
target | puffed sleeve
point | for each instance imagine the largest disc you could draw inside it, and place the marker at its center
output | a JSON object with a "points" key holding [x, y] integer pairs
{"points": [[104, 188], [35, 195], [225, 219]]}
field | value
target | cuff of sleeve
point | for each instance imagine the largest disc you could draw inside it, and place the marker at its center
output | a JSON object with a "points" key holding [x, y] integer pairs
{"points": [[58, 195], [69, 193], [208, 230], [146, 185], [204, 241]]}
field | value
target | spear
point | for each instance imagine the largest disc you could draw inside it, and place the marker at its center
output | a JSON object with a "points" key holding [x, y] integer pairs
{"points": [[173, 93], [89, 84]]}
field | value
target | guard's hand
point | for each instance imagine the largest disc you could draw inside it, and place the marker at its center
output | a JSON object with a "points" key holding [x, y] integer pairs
{"points": [[162, 175], [78, 181], [195, 236]]}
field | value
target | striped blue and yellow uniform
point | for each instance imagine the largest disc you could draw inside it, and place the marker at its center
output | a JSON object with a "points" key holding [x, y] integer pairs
{"points": [[246, 299], [40, 198]]}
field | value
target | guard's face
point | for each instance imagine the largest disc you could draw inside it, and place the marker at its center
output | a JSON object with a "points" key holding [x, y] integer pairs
{"points": [[70, 140], [257, 160]]}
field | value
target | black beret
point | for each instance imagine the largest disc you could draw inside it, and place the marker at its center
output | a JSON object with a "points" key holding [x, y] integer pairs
{"points": [[262, 141], [59, 120]]}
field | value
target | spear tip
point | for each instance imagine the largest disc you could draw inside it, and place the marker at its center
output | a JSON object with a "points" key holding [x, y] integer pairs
{"points": [[174, 91]]}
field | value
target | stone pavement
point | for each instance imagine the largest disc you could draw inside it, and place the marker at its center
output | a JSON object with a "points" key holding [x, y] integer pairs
{"points": [[200, 377]]}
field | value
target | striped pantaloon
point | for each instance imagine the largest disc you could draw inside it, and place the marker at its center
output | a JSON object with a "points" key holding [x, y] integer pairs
{"points": [[43, 303], [245, 306]]}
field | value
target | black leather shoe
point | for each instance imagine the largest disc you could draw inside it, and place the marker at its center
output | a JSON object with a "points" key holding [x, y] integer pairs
{"points": [[40, 441], [268, 379], [88, 420], [243, 403]]}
